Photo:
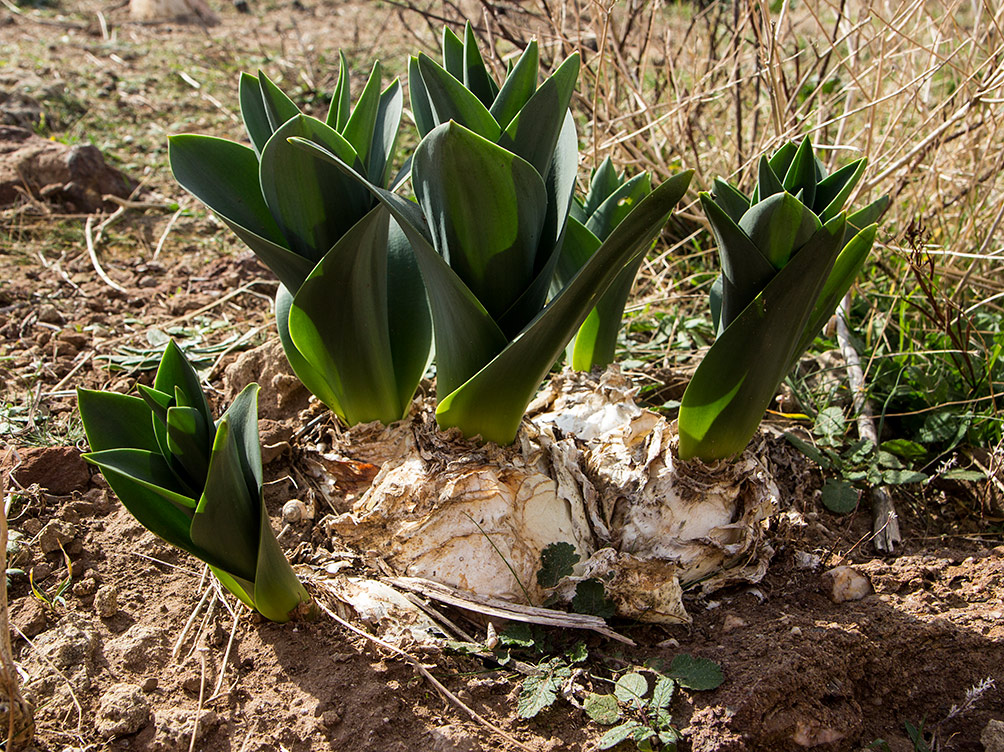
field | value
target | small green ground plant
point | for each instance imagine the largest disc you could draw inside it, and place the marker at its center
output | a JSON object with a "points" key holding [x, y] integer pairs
{"points": [[194, 482]]}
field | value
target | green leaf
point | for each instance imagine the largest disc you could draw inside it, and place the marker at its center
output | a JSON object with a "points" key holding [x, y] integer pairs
{"points": [[511, 379], [144, 468], [536, 694], [833, 191], [734, 383], [421, 105], [115, 421], [517, 634], [385, 132], [618, 734], [631, 689], [839, 496], [253, 111], [450, 100], [908, 450], [228, 518], [188, 439], [278, 107], [314, 203], [533, 133], [476, 76], [779, 226], [591, 598], [486, 208], [277, 591], [896, 477], [602, 708], [359, 130], [967, 475], [696, 673], [175, 372], [453, 53], [311, 377], [768, 183], [224, 176], [831, 425], [556, 562], [745, 270], [801, 174], [242, 416], [662, 695], [346, 337], [781, 160], [808, 450], [339, 110], [730, 199], [518, 87]]}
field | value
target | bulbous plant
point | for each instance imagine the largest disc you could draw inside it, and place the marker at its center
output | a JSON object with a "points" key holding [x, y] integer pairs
{"points": [[351, 310], [789, 253], [611, 198], [494, 176], [195, 483]]}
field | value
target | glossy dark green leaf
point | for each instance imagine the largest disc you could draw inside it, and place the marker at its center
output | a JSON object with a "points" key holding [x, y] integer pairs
{"points": [[832, 192], [466, 335], [768, 182], [492, 402], [227, 519], [489, 209], [801, 174], [359, 129], [339, 109], [476, 76], [736, 380], [242, 415], [518, 87], [839, 496], [158, 402], [189, 442], [147, 469], [453, 54], [115, 421], [845, 269], [385, 132], [421, 105], [730, 199], [279, 108], [780, 161], [778, 226], [176, 372], [311, 377], [618, 204], [745, 270], [595, 344], [450, 100], [253, 113], [301, 191], [339, 322], [604, 181], [866, 216], [224, 176], [533, 133], [277, 591]]}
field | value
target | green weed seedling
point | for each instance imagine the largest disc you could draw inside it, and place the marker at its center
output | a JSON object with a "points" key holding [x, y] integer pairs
{"points": [[857, 465], [637, 714]]}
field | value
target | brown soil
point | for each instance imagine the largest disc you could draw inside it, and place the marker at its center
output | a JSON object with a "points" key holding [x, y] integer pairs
{"points": [[140, 652]]}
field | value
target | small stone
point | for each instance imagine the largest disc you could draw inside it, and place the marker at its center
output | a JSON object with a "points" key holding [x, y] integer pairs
{"points": [[149, 684], [49, 314], [294, 511], [993, 736], [192, 684], [330, 718], [805, 560], [106, 601], [795, 631], [32, 526], [140, 646], [85, 587], [31, 618], [732, 623], [450, 738], [845, 583], [58, 469], [123, 710]]}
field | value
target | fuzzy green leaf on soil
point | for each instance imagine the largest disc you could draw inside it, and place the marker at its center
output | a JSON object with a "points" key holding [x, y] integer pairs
{"points": [[631, 688], [556, 562], [662, 695], [696, 673], [629, 730], [602, 708], [590, 598], [839, 496], [540, 692]]}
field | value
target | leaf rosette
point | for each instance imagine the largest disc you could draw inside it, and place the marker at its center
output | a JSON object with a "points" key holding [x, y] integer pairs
{"points": [[789, 253], [194, 482]]}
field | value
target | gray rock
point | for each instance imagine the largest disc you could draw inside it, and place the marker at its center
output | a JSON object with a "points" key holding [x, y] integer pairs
{"points": [[106, 601], [54, 534], [123, 710], [993, 736], [140, 647], [175, 727]]}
